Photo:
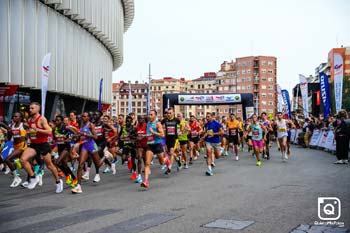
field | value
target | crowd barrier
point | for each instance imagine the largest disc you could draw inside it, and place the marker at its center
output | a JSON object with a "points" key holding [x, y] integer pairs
{"points": [[323, 139]]}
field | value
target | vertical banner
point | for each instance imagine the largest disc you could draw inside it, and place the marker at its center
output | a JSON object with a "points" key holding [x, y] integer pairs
{"points": [[286, 100], [324, 88], [99, 106], [130, 100], [338, 80], [304, 94], [45, 69], [279, 99]]}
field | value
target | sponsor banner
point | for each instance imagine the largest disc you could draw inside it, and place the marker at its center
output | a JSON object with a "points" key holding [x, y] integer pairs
{"points": [[315, 137], [45, 70], [292, 135], [338, 80], [298, 131], [249, 111], [323, 139], [304, 94], [330, 142], [207, 99]]}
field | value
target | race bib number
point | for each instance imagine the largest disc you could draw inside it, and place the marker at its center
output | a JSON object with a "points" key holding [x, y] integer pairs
{"points": [[255, 132], [99, 131], [282, 130], [150, 139], [16, 133], [233, 132], [32, 134], [60, 140], [194, 134], [171, 130]]}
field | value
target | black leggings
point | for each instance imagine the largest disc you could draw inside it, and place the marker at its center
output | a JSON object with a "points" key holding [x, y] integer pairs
{"points": [[342, 147]]}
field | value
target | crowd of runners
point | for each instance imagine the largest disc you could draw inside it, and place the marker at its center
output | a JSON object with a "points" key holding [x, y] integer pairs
{"points": [[68, 146]]}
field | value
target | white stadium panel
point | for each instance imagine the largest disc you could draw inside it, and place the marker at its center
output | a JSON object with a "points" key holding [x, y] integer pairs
{"points": [[4, 42], [16, 13], [52, 48], [29, 43], [78, 60]]}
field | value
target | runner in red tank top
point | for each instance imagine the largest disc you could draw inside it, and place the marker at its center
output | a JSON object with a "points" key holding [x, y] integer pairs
{"points": [[39, 130]]}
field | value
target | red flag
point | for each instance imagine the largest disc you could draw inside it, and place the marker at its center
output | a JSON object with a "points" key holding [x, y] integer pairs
{"points": [[318, 98]]}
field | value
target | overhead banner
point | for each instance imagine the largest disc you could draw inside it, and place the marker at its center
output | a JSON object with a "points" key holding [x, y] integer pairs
{"points": [[279, 99], [338, 80], [286, 100], [45, 69], [304, 94], [324, 88], [207, 99]]}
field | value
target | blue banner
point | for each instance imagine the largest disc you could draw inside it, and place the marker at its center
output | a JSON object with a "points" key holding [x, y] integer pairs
{"points": [[286, 101], [324, 88], [99, 106]]}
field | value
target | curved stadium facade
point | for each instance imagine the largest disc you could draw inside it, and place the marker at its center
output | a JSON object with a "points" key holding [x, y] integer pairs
{"points": [[85, 39]]}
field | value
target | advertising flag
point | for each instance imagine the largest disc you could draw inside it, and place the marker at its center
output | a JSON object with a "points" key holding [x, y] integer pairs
{"points": [[338, 80], [279, 99], [100, 96], [304, 94], [324, 88], [286, 101], [45, 69]]}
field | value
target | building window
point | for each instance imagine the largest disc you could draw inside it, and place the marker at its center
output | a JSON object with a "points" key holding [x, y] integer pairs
{"points": [[270, 71], [270, 63], [238, 88], [191, 86], [220, 88], [248, 87], [226, 110], [248, 79], [133, 104], [263, 110], [270, 95], [144, 111], [138, 104], [263, 94], [144, 103], [239, 110], [220, 111], [122, 104], [263, 63], [238, 80], [173, 87], [139, 110], [263, 102], [263, 87], [248, 71], [270, 87], [270, 111], [263, 71], [270, 103], [238, 72], [166, 87], [263, 78], [226, 88], [199, 86], [243, 71]]}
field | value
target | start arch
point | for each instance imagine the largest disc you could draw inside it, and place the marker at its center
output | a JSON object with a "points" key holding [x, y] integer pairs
{"points": [[245, 99]]}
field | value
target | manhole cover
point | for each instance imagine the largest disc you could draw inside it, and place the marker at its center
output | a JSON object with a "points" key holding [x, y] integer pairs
{"points": [[229, 224]]}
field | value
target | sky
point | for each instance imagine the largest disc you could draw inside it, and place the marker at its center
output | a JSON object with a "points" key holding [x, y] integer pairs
{"points": [[185, 38]]}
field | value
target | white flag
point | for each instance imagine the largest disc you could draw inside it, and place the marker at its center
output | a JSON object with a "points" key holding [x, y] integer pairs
{"points": [[45, 69], [338, 81], [304, 94]]}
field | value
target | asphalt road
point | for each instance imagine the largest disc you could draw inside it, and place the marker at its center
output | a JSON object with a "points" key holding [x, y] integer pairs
{"points": [[276, 197]]}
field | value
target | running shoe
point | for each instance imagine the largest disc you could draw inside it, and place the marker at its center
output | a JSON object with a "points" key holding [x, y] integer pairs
{"points": [[25, 184], [7, 171], [74, 183], [209, 172], [107, 170], [345, 161], [97, 178], [16, 181], [145, 184], [195, 158], [213, 164], [68, 180], [168, 171], [138, 179], [77, 189], [285, 156], [258, 163], [86, 175], [339, 162], [237, 158], [133, 176], [33, 182], [179, 168], [59, 186], [185, 166], [162, 167]]}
